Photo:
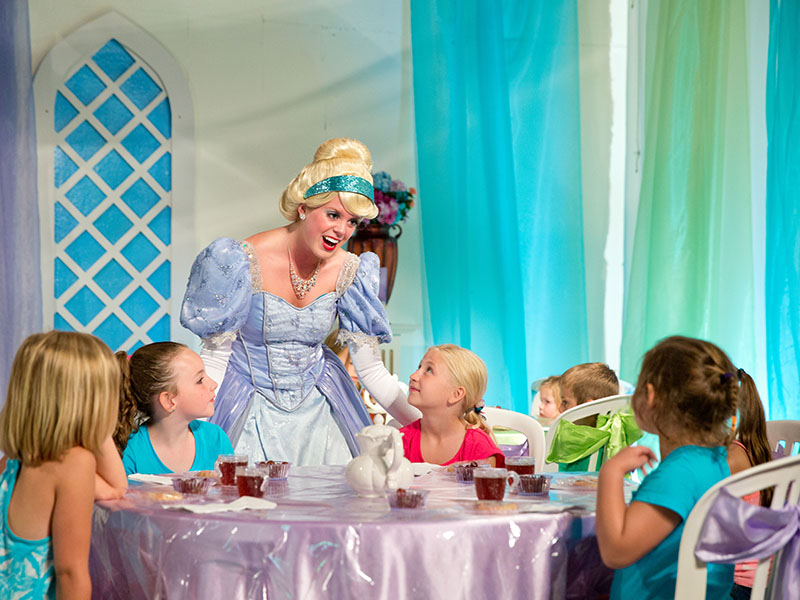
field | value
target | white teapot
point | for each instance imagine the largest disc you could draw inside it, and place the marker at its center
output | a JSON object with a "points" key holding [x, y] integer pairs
{"points": [[382, 465]]}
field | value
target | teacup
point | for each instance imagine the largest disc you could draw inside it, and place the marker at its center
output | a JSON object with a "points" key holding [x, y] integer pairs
{"points": [[523, 465], [490, 484], [226, 465], [249, 481]]}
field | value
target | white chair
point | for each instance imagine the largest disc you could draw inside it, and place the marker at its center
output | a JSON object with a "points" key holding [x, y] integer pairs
{"points": [[525, 424], [601, 406], [787, 432], [784, 474]]}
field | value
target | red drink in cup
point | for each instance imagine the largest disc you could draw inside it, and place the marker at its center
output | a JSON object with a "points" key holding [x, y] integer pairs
{"points": [[249, 481], [227, 463], [490, 484], [523, 465]]}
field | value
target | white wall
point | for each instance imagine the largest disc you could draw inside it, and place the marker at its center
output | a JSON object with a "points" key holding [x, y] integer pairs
{"points": [[270, 80]]}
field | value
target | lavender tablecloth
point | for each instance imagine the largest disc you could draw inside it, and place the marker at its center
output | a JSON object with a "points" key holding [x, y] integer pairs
{"points": [[322, 541]]}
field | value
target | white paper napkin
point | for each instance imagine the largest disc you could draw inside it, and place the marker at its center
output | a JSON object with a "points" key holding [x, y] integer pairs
{"points": [[243, 503], [159, 479]]}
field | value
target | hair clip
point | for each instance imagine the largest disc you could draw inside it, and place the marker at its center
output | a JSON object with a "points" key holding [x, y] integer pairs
{"points": [[725, 377]]}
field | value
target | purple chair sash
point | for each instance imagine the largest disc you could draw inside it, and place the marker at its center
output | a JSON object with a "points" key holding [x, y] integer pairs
{"points": [[735, 531]]}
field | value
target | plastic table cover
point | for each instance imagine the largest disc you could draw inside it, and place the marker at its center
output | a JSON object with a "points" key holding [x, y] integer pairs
{"points": [[323, 541]]}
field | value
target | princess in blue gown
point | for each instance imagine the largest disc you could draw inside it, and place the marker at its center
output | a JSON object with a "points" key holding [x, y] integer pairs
{"points": [[264, 306]]}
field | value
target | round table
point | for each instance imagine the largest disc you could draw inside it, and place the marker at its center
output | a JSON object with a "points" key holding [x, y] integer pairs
{"points": [[323, 541]]}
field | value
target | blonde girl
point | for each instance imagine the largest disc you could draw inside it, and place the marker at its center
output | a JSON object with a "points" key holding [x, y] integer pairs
{"points": [[686, 394], [549, 399], [448, 390], [55, 430], [166, 392]]}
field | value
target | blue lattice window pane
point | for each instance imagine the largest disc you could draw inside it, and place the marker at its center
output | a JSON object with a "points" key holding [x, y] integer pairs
{"points": [[64, 222], [112, 279], [161, 225], [139, 306], [113, 59], [161, 117], [113, 169], [113, 114], [140, 143], [140, 198], [85, 85], [160, 279], [113, 331], [160, 331], [61, 324], [64, 112], [162, 171], [141, 89], [64, 166], [84, 306], [85, 251], [85, 195], [85, 140], [113, 224], [140, 252], [63, 278]]}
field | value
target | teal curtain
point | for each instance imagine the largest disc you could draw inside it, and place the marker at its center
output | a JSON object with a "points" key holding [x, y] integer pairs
{"points": [[692, 262], [782, 277], [497, 125]]}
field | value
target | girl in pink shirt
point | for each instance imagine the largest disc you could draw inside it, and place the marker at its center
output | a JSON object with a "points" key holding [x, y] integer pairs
{"points": [[448, 389]]}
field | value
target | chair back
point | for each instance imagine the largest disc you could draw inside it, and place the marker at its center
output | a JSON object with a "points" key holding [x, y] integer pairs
{"points": [[525, 424], [787, 432], [784, 474], [601, 406]]}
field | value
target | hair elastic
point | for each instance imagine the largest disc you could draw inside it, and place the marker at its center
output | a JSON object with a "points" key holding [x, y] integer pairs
{"points": [[725, 377], [342, 183], [740, 373], [479, 406]]}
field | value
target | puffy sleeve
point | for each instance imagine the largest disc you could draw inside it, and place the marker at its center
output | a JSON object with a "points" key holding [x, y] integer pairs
{"points": [[360, 309], [218, 294]]}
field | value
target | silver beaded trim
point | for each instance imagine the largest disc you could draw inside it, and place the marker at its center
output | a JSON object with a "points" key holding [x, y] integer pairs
{"points": [[255, 270], [347, 273], [357, 338]]}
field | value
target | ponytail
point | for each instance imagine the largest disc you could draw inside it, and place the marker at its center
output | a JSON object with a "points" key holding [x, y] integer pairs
{"points": [[751, 427], [147, 373]]}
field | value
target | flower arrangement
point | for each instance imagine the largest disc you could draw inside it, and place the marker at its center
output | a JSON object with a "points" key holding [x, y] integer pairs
{"points": [[392, 198]]}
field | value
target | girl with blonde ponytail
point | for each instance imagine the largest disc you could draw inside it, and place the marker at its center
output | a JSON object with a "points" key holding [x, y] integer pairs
{"points": [[448, 390]]}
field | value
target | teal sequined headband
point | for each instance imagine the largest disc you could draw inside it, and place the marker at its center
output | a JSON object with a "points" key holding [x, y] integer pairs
{"points": [[342, 183]]}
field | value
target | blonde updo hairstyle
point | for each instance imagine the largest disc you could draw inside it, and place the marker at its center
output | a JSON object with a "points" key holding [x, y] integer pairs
{"points": [[467, 370], [337, 156]]}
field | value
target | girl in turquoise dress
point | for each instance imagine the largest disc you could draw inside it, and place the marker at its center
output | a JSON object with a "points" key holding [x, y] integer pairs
{"points": [[55, 430], [687, 394], [263, 308]]}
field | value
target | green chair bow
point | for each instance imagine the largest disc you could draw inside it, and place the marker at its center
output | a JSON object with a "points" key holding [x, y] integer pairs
{"points": [[572, 442]]}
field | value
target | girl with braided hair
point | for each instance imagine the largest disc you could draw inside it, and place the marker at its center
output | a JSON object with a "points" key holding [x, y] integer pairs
{"points": [[687, 394], [448, 390]]}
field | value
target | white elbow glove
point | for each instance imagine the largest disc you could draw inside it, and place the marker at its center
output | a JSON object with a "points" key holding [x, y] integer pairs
{"points": [[380, 384], [215, 357]]}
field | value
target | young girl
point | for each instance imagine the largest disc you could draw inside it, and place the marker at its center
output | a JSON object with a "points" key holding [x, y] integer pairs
{"points": [[549, 399], [165, 392], [750, 448], [687, 394], [448, 388], [55, 429]]}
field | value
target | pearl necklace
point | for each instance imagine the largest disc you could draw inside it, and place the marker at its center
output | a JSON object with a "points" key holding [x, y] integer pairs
{"points": [[302, 286]]}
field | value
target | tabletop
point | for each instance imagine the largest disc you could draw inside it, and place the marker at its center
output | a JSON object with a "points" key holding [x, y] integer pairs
{"points": [[323, 541]]}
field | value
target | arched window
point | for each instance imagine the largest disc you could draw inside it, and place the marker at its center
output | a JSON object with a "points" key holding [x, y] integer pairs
{"points": [[114, 126]]}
